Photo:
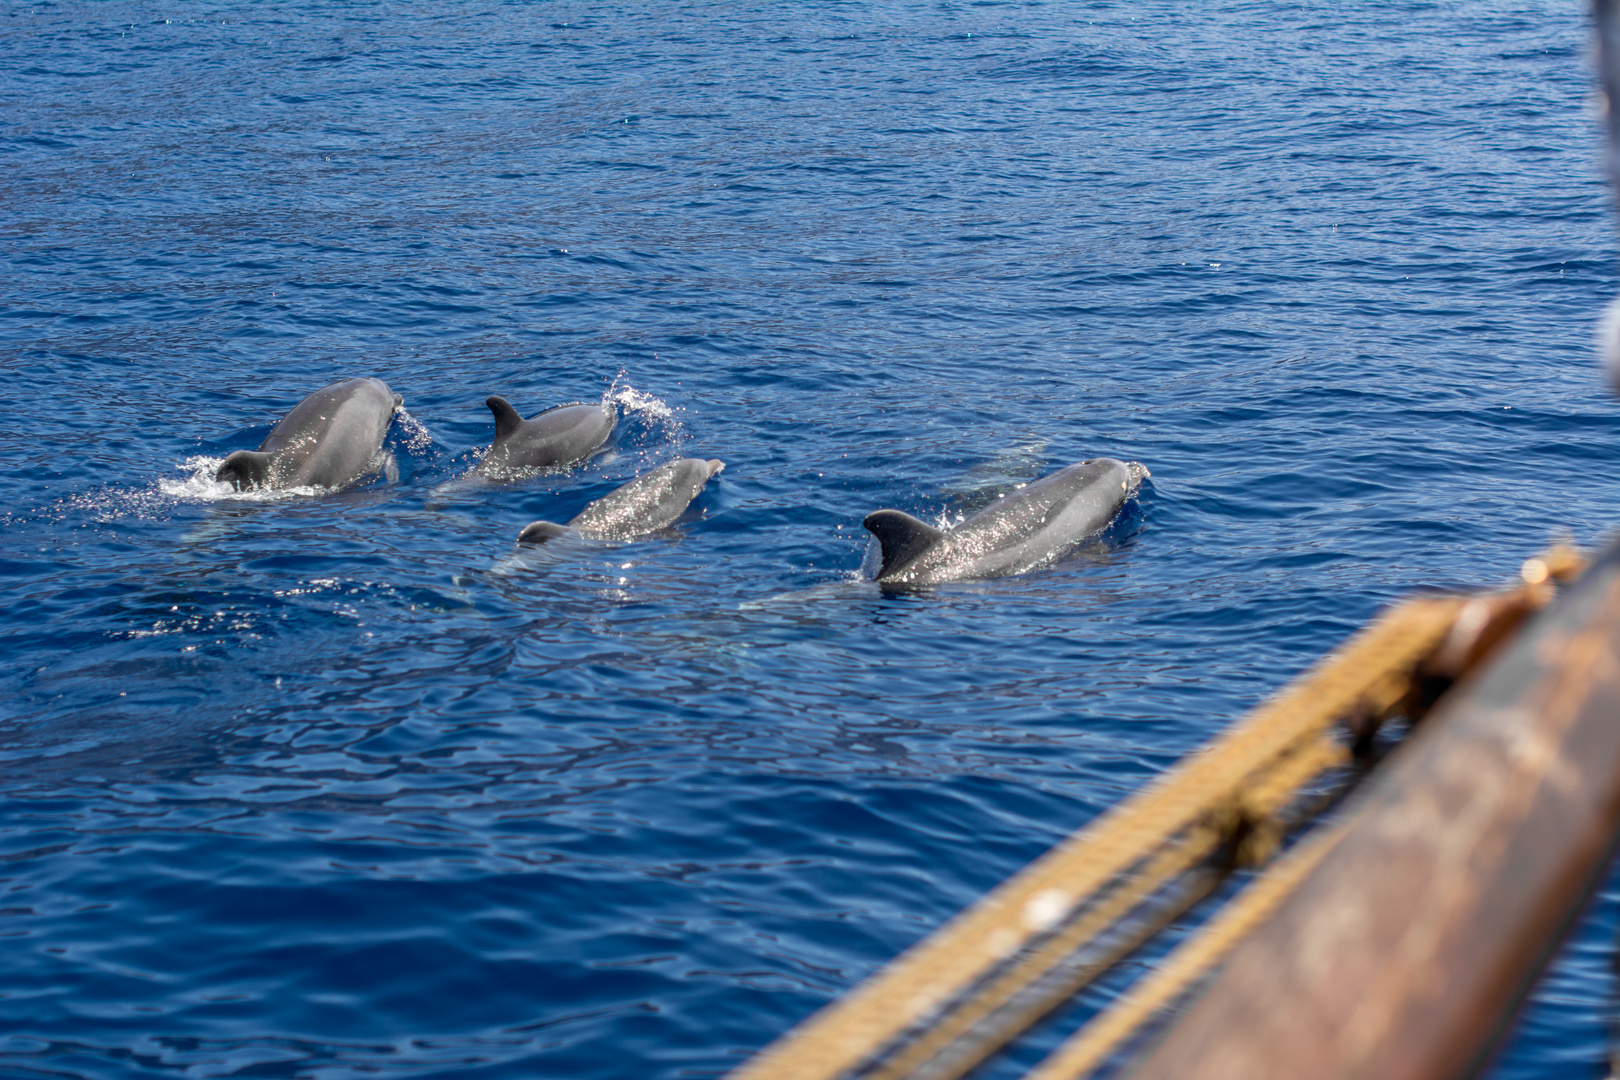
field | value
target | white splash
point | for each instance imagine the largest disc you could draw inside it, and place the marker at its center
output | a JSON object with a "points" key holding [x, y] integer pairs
{"points": [[630, 400], [200, 485], [415, 433], [384, 464]]}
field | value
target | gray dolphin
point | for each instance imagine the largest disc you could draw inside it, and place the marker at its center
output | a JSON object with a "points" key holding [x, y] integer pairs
{"points": [[1017, 532], [328, 440], [558, 436], [646, 504]]}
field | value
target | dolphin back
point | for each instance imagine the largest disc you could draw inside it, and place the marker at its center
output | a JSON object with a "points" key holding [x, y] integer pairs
{"points": [[558, 436], [1037, 523], [650, 502], [331, 437], [1023, 529]]}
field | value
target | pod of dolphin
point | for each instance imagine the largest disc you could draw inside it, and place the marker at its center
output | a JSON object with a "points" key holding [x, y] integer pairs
{"points": [[331, 438]]}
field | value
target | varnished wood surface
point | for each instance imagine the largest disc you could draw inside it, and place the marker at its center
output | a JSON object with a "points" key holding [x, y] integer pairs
{"points": [[1404, 955]]}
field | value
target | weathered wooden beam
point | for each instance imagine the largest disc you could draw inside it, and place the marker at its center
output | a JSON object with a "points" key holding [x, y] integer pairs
{"points": [[1405, 953], [984, 978]]}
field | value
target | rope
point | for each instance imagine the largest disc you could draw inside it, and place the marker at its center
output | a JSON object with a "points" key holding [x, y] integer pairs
{"points": [[1025, 930], [1092, 1044]]}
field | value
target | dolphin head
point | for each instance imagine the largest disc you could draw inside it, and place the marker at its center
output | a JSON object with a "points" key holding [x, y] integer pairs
{"points": [[245, 469], [538, 532]]}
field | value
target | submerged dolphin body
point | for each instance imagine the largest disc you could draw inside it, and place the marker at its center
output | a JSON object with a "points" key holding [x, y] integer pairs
{"points": [[650, 502], [1017, 532], [328, 440], [559, 436]]}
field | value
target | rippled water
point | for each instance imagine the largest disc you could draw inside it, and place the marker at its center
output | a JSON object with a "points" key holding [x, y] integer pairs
{"points": [[340, 785]]}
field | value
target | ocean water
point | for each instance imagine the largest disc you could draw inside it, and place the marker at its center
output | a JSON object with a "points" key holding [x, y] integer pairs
{"points": [[341, 785]]}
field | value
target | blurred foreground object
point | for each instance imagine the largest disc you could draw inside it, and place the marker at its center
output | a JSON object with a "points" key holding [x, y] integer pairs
{"points": [[1406, 952], [1394, 941], [1606, 17]]}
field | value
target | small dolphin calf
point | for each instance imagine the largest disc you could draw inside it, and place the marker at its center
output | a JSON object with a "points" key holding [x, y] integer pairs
{"points": [[328, 440], [646, 504], [1017, 532], [559, 436]]}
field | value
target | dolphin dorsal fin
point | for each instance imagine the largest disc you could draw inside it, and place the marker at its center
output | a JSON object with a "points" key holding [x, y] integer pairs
{"points": [[507, 419], [245, 469], [901, 536]]}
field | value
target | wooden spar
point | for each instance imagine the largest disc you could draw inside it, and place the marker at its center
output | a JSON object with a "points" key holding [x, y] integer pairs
{"points": [[1404, 954], [958, 997]]}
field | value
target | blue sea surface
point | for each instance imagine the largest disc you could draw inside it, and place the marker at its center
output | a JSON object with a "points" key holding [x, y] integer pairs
{"points": [[342, 785]]}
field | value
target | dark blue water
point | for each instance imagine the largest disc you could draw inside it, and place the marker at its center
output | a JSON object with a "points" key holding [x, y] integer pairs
{"points": [[332, 786]]}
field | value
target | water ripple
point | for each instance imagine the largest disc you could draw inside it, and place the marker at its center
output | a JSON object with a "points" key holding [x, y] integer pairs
{"points": [[327, 785]]}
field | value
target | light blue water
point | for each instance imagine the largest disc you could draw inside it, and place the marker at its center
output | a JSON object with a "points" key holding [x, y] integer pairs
{"points": [[336, 786]]}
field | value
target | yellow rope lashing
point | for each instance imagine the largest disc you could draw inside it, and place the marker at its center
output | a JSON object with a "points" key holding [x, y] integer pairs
{"points": [[945, 988]]}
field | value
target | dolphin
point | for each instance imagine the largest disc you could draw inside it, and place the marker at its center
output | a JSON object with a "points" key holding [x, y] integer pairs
{"points": [[646, 504], [558, 436], [328, 440], [1017, 532]]}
